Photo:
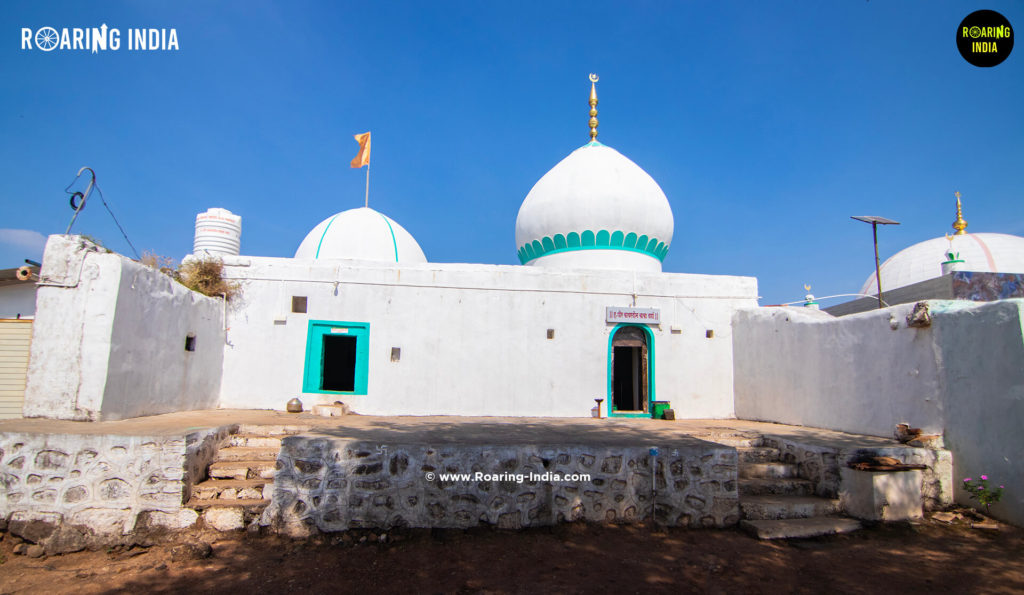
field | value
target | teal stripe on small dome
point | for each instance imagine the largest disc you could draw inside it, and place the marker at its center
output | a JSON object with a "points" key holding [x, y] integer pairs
{"points": [[323, 235], [394, 242], [588, 240]]}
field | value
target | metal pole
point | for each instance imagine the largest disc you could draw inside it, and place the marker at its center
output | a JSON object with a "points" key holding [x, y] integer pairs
{"points": [[367, 203], [878, 270]]}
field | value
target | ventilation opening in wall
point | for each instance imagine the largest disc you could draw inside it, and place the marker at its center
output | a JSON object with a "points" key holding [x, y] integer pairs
{"points": [[396, 354], [339, 363], [299, 304], [190, 343], [710, 334]]}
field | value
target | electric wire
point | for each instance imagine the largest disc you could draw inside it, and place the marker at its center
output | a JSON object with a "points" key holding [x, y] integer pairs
{"points": [[118, 223]]}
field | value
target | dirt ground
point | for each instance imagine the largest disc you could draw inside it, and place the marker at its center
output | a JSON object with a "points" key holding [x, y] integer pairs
{"points": [[926, 557]]}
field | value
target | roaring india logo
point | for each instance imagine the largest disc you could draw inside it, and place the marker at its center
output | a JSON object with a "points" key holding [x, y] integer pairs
{"points": [[96, 39], [984, 38]]}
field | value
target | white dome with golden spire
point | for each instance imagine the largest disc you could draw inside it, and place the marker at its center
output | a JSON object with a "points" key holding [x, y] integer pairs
{"points": [[595, 209], [978, 252]]}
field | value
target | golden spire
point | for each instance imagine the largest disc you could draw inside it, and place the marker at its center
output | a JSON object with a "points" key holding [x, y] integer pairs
{"points": [[593, 108], [960, 224]]}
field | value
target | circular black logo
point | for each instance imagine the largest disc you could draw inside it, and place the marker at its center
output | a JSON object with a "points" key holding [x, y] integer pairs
{"points": [[984, 38]]}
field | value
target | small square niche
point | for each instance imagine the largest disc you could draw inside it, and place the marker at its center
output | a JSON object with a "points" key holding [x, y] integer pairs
{"points": [[190, 343], [299, 304]]}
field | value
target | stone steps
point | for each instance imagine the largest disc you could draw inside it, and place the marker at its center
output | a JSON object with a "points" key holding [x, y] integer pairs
{"points": [[786, 507], [775, 487], [232, 489], [758, 454], [776, 504], [767, 471], [240, 483], [799, 528], [243, 469]]}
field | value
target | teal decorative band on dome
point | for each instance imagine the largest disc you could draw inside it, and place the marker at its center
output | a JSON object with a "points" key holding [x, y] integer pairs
{"points": [[588, 240]]}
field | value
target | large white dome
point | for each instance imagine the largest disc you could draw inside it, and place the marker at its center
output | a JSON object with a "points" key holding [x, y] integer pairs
{"points": [[981, 252], [361, 234], [595, 209]]}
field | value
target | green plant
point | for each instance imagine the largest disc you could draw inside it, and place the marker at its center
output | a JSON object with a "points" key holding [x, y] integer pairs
{"points": [[979, 490], [207, 277]]}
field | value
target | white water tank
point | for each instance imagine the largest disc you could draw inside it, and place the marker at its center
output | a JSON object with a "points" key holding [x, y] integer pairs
{"points": [[218, 231]]}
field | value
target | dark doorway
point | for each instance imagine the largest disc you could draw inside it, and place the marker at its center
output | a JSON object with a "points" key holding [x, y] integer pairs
{"points": [[629, 370], [339, 363]]}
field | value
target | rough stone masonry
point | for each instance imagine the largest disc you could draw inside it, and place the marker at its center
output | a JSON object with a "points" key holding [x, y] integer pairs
{"points": [[330, 484], [67, 492]]}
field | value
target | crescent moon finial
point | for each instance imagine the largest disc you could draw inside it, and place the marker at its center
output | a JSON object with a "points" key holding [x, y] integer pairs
{"points": [[593, 108]]}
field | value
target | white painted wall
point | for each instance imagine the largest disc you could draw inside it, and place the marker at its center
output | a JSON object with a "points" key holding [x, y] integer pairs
{"points": [[18, 300], [108, 341], [473, 338], [963, 376]]}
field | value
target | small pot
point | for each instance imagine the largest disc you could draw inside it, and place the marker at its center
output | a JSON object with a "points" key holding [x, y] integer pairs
{"points": [[294, 406]]}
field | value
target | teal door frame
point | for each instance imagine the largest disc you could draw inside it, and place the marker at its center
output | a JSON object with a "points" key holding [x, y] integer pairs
{"points": [[650, 371], [312, 377]]}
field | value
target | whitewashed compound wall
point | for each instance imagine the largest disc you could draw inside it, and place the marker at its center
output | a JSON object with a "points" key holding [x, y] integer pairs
{"points": [[962, 376], [109, 338], [473, 339]]}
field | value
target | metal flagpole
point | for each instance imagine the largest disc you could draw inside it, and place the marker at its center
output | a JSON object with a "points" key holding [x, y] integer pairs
{"points": [[367, 202]]}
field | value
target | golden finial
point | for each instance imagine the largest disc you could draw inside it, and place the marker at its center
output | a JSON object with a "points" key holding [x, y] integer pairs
{"points": [[593, 107], [807, 287], [960, 224]]}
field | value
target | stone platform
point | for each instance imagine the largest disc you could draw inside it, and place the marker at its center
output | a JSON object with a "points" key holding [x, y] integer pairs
{"points": [[106, 481]]}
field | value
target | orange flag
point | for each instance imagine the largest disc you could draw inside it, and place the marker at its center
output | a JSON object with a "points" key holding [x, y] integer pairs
{"points": [[363, 157]]}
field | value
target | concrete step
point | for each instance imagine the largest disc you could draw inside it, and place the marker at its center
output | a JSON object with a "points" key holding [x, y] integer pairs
{"points": [[767, 470], [233, 489], [786, 507], [255, 441], [776, 487], [758, 454], [799, 528], [249, 505], [279, 430], [247, 453], [242, 469]]}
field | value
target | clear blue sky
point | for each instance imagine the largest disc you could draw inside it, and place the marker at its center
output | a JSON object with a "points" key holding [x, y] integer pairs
{"points": [[767, 124]]}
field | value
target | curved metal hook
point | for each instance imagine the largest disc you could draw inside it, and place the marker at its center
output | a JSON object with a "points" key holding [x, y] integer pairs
{"points": [[83, 195]]}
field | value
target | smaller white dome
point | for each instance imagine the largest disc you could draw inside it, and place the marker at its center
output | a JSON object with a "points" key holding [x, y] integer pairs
{"points": [[360, 234], [981, 253]]}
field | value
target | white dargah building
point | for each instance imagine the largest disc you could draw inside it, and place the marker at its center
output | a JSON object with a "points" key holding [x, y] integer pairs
{"points": [[588, 324]]}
